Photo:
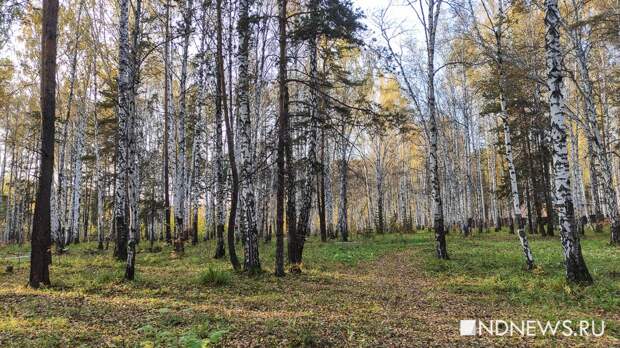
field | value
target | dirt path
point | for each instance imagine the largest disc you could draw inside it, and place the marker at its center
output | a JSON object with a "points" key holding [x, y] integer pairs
{"points": [[414, 312], [389, 302]]}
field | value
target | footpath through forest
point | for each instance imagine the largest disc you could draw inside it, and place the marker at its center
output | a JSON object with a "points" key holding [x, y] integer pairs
{"points": [[383, 292]]}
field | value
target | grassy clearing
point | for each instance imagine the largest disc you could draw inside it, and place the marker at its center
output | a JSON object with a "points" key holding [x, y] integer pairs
{"points": [[383, 290], [491, 268]]}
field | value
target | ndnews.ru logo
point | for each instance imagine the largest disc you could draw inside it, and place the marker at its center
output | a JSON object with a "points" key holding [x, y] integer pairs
{"points": [[475, 327]]}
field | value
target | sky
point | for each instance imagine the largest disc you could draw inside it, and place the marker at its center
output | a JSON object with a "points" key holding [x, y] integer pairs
{"points": [[399, 13]]}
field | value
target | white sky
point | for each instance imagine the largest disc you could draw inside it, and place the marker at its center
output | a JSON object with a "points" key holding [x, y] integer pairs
{"points": [[399, 13]]}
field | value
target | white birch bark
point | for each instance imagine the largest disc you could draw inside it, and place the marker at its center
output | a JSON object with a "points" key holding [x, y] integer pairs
{"points": [[180, 164], [77, 174], [329, 205], [124, 113], [248, 202], [579, 196], [3, 170], [602, 166], [576, 269], [516, 205], [312, 166], [98, 169]]}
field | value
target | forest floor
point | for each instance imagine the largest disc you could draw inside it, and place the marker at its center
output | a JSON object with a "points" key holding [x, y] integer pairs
{"points": [[386, 291]]}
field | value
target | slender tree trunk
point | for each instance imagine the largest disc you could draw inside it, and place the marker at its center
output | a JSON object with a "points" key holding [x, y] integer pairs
{"points": [[220, 202], [98, 169], [320, 200], [577, 177], [379, 219], [252, 261], [343, 221], [3, 170], [438, 218], [181, 172], [231, 151], [40, 254], [61, 199], [283, 135], [124, 113], [76, 183], [291, 195], [516, 205], [132, 158], [599, 159], [167, 123], [312, 167], [329, 205], [576, 270]]}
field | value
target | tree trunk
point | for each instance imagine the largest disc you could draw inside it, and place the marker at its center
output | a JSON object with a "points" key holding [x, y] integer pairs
{"points": [[283, 136], [61, 199], [512, 174], [303, 224], [40, 254], [167, 123], [438, 219], [599, 159], [98, 169], [181, 172], [124, 112], [76, 183], [252, 261], [516, 205], [220, 202], [231, 148], [343, 221], [576, 270]]}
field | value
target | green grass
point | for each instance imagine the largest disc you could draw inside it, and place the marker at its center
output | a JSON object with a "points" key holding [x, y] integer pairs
{"points": [[354, 252], [344, 292], [214, 277], [494, 263], [491, 267]]}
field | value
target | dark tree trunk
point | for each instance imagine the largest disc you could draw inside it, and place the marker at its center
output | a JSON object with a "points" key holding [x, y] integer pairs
{"points": [[234, 195], [41, 255], [291, 206], [547, 184], [282, 139], [528, 202], [195, 227], [220, 250], [86, 211], [320, 200]]}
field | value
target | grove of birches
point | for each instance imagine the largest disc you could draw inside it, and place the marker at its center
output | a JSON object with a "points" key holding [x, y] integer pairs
{"points": [[137, 127]]}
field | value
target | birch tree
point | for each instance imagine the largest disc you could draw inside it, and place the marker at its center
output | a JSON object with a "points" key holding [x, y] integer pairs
{"points": [[252, 261], [576, 269], [73, 231], [181, 171], [283, 136], [123, 114], [499, 57], [219, 154], [429, 21], [168, 112], [600, 165], [62, 235]]}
